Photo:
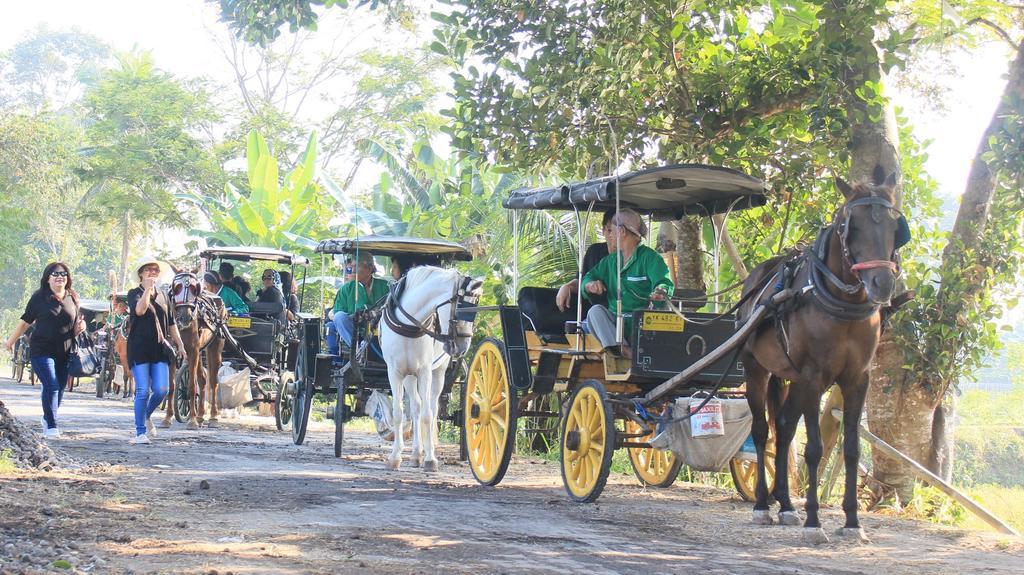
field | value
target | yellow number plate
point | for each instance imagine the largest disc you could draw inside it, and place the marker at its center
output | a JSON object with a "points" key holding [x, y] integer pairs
{"points": [[662, 322], [243, 322]]}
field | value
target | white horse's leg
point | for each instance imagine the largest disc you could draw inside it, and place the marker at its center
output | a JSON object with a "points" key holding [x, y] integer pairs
{"points": [[415, 409], [397, 388], [428, 417]]}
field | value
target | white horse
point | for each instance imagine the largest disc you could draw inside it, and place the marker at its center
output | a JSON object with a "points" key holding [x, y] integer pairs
{"points": [[419, 337]]}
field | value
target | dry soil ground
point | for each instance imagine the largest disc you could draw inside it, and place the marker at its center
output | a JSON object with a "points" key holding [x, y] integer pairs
{"points": [[269, 506]]}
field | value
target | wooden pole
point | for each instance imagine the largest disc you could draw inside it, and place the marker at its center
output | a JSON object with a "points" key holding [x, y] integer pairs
{"points": [[934, 480]]}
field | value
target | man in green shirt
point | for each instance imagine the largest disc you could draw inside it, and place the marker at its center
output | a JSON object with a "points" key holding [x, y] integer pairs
{"points": [[232, 301], [360, 293], [644, 276]]}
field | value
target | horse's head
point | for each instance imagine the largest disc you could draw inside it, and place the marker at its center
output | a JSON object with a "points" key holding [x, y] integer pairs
{"points": [[871, 228], [184, 292]]}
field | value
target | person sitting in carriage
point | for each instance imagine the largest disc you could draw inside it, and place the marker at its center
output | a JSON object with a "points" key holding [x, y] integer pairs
{"points": [[361, 293], [232, 301], [401, 264], [644, 277]]}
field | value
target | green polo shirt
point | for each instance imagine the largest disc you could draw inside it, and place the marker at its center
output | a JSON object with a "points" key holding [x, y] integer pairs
{"points": [[232, 301], [350, 301], [645, 271]]}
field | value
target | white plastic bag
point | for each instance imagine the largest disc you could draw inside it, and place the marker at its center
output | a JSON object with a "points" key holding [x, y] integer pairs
{"points": [[378, 408], [234, 389], [707, 422]]}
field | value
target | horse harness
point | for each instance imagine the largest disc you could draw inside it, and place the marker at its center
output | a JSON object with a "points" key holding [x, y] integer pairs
{"points": [[818, 274], [461, 297]]}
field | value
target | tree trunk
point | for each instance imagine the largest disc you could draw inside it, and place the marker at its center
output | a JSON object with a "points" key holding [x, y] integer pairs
{"points": [[941, 454], [689, 254], [125, 243]]}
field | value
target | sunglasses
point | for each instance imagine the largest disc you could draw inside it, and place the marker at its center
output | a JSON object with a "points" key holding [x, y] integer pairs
{"points": [[59, 274], [265, 278]]}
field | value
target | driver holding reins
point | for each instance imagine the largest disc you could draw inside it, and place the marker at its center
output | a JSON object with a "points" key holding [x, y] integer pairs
{"points": [[644, 277]]}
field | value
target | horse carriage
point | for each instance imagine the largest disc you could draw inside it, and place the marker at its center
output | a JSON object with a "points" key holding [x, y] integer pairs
{"points": [[359, 369], [547, 366], [264, 340], [111, 341], [20, 361]]}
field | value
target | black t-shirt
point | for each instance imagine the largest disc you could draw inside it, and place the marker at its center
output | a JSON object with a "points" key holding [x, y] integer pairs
{"points": [[54, 324], [292, 303], [143, 345], [595, 253], [270, 295]]}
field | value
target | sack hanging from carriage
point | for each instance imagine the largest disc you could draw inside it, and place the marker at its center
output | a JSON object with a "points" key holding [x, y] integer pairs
{"points": [[707, 452], [378, 407], [234, 389]]}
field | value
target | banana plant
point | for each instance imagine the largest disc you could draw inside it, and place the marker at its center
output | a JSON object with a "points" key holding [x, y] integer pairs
{"points": [[286, 214]]}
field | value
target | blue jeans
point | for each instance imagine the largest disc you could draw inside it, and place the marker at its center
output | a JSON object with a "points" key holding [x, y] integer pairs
{"points": [[333, 343], [53, 375], [150, 389], [346, 329]]}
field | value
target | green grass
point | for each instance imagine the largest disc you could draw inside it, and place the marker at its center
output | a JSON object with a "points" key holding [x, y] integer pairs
{"points": [[1007, 503]]}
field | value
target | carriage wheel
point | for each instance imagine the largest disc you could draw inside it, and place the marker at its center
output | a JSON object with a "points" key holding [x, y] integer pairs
{"points": [[653, 467], [300, 411], [182, 396], [744, 472], [339, 419], [284, 402], [489, 414], [588, 440]]}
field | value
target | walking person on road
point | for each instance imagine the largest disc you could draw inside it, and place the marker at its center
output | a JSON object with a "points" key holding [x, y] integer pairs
{"points": [[53, 310], [151, 323]]}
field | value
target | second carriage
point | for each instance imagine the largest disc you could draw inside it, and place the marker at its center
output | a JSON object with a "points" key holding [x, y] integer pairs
{"points": [[357, 370], [264, 340]]}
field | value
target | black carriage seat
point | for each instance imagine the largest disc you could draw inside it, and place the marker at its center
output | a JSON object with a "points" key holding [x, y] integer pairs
{"points": [[543, 317], [269, 310]]}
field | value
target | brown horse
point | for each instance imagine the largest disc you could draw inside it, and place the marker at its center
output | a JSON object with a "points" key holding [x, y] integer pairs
{"points": [[196, 317], [826, 333]]}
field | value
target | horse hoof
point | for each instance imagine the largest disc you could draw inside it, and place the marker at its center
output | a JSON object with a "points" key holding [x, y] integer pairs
{"points": [[165, 423], [394, 464], [855, 534], [762, 517], [212, 424], [815, 536], [414, 463], [192, 424], [789, 518], [430, 466]]}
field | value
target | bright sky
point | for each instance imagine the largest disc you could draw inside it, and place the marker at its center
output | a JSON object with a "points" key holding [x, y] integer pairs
{"points": [[179, 35]]}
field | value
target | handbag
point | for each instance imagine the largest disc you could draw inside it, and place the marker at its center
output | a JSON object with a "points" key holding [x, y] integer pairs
{"points": [[85, 360]]}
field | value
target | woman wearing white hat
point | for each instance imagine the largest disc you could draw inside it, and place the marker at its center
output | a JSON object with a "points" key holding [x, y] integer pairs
{"points": [[152, 324]]}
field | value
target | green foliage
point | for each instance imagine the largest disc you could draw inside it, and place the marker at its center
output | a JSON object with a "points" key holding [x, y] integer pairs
{"points": [[286, 213], [260, 21], [46, 70], [7, 465]]}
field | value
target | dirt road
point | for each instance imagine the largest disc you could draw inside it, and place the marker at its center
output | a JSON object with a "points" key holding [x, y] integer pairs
{"points": [[244, 499]]}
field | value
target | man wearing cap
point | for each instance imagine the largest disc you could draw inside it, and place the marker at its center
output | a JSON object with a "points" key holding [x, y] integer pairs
{"points": [[644, 276], [360, 293]]}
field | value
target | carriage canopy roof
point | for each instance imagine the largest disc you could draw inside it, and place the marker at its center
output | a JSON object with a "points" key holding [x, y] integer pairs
{"points": [[395, 246], [94, 305], [252, 253], [665, 192]]}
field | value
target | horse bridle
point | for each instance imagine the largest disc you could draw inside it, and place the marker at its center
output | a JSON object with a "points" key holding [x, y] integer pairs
{"points": [[843, 231], [461, 297]]}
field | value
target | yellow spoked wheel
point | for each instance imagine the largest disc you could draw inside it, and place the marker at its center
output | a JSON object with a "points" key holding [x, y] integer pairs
{"points": [[653, 467], [489, 414], [744, 472], [588, 440]]}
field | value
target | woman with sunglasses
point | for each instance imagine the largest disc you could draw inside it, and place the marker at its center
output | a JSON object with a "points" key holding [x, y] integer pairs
{"points": [[271, 292], [53, 310]]}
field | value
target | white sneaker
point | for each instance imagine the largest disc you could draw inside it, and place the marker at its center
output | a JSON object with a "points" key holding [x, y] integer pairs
{"points": [[140, 440], [51, 433], [150, 428]]}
